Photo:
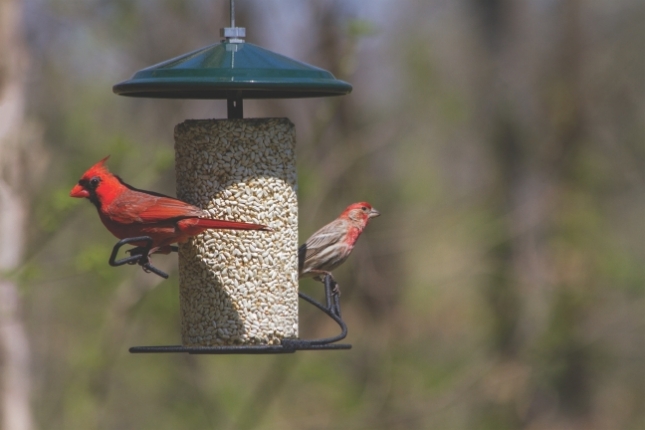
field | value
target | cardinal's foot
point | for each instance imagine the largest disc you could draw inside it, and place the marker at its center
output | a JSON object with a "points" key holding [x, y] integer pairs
{"points": [[139, 250]]}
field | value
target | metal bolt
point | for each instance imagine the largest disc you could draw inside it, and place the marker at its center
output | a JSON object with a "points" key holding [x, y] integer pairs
{"points": [[233, 34]]}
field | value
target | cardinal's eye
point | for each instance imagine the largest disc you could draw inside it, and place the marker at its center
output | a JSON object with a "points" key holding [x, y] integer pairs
{"points": [[94, 182]]}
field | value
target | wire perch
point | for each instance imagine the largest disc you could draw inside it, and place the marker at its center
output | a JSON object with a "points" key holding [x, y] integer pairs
{"points": [[332, 298], [139, 255], [331, 308]]}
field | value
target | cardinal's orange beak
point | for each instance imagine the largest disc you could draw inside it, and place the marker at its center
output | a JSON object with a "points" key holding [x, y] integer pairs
{"points": [[79, 192]]}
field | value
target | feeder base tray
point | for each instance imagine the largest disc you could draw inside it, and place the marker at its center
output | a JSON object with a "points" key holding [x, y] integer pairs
{"points": [[285, 348], [288, 346]]}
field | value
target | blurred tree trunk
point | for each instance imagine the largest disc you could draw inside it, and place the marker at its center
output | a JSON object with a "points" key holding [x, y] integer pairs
{"points": [[535, 143], [14, 376]]}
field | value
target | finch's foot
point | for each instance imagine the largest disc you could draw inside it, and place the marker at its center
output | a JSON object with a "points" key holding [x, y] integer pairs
{"points": [[323, 278], [336, 289], [320, 275]]}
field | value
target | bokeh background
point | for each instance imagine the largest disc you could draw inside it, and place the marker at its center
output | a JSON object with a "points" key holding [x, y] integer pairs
{"points": [[502, 287]]}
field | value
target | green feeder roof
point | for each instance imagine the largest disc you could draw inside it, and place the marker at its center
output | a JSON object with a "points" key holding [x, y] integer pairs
{"points": [[230, 70]]}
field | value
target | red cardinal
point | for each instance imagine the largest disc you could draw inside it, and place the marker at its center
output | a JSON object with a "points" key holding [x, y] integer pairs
{"points": [[129, 212], [330, 246]]}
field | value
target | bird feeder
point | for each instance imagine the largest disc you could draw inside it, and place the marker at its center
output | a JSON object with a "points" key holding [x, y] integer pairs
{"points": [[238, 289]]}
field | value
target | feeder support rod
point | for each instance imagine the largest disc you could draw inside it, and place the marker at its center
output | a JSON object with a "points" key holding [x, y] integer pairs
{"points": [[235, 107]]}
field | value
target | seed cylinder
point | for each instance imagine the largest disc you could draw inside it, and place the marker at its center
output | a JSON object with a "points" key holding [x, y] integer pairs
{"points": [[239, 287]]}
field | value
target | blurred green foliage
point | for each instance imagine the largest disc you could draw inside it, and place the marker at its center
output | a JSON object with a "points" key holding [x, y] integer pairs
{"points": [[501, 288]]}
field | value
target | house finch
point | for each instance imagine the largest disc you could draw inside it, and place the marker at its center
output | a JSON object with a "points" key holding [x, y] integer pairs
{"points": [[129, 212], [330, 246]]}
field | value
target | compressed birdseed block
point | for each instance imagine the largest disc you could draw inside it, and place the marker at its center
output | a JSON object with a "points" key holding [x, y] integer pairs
{"points": [[239, 287]]}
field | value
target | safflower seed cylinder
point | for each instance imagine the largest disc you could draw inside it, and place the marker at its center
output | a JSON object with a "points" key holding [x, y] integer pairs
{"points": [[239, 287]]}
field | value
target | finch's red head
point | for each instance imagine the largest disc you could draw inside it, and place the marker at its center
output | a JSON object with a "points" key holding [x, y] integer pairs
{"points": [[89, 183], [360, 213]]}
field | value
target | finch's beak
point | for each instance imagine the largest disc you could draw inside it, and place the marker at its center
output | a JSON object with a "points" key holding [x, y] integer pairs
{"points": [[373, 213], [79, 192]]}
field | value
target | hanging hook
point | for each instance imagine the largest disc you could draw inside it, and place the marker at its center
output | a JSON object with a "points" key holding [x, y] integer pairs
{"points": [[233, 34], [232, 9]]}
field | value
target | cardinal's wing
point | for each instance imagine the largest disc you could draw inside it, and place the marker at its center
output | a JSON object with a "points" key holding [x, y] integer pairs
{"points": [[149, 208]]}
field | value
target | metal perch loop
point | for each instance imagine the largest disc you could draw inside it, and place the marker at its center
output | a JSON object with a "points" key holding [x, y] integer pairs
{"points": [[332, 309]]}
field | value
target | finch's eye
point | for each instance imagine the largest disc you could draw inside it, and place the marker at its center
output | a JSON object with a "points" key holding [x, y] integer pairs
{"points": [[364, 208], [94, 182]]}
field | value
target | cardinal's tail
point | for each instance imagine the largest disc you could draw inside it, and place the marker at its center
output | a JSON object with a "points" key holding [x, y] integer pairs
{"points": [[228, 225]]}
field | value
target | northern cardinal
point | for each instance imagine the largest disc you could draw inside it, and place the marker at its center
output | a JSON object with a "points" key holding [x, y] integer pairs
{"points": [[129, 212], [330, 246]]}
